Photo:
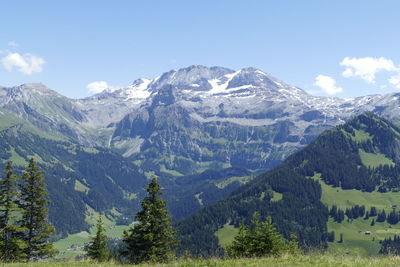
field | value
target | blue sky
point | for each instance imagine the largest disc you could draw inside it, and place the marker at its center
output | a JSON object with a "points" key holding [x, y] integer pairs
{"points": [[338, 48]]}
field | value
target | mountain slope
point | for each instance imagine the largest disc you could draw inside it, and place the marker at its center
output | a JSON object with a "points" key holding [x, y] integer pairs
{"points": [[361, 155], [78, 178]]}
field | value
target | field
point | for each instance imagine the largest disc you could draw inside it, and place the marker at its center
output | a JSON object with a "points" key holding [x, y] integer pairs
{"points": [[313, 260], [72, 246], [356, 241]]}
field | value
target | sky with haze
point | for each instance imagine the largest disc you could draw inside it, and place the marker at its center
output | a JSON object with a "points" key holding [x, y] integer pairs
{"points": [[330, 48]]}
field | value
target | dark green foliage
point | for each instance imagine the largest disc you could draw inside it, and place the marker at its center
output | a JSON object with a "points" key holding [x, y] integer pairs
{"points": [[299, 211], [381, 216], [335, 156], [393, 217], [355, 212], [106, 174], [180, 193], [152, 239], [390, 246], [331, 236], [33, 204], [259, 239], [373, 212], [11, 246], [97, 249]]}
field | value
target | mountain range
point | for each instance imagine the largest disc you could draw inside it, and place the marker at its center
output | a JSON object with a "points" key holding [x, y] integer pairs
{"points": [[203, 131]]}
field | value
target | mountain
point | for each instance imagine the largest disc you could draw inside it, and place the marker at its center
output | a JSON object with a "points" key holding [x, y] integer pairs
{"points": [[192, 119], [197, 118], [203, 131], [354, 167]]}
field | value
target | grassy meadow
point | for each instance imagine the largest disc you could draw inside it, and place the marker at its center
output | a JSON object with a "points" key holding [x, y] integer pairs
{"points": [[312, 260]]}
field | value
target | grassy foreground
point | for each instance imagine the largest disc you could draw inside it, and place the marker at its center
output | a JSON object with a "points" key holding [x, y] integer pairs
{"points": [[320, 260]]}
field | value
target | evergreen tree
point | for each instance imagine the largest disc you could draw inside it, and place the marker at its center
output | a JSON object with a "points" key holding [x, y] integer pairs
{"points": [[258, 240], [33, 203], [340, 216], [381, 216], [152, 239], [97, 249], [373, 222], [373, 212], [333, 211], [10, 244], [331, 236]]}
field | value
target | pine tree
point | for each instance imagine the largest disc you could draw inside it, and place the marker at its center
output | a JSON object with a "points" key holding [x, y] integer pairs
{"points": [[260, 239], [381, 216], [33, 203], [10, 244], [97, 249], [152, 239]]}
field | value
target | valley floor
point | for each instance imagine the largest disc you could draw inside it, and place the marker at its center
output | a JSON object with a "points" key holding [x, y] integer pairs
{"points": [[317, 260]]}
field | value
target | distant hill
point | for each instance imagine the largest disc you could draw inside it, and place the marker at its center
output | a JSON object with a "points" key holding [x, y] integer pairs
{"points": [[345, 166]]}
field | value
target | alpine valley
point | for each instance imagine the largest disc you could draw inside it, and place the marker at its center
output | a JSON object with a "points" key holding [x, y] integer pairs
{"points": [[205, 132]]}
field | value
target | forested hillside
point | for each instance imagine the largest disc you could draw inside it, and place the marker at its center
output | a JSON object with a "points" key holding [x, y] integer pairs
{"points": [[78, 178], [362, 155]]}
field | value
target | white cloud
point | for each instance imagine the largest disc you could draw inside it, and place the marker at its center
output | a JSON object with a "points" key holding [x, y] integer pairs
{"points": [[395, 80], [27, 63], [327, 84], [367, 67], [97, 87]]}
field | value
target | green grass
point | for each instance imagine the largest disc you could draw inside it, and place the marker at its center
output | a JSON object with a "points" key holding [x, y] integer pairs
{"points": [[312, 260], [172, 172], [73, 245], [277, 196], [81, 187], [90, 150], [374, 160], [361, 136], [355, 240], [348, 198], [225, 182], [226, 235], [17, 159]]}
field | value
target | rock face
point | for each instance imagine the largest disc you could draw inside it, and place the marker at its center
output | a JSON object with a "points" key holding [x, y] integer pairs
{"points": [[200, 117], [192, 119]]}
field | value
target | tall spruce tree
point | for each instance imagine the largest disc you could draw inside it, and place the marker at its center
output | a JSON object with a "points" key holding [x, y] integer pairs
{"points": [[97, 249], [33, 203], [152, 239], [11, 246]]}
